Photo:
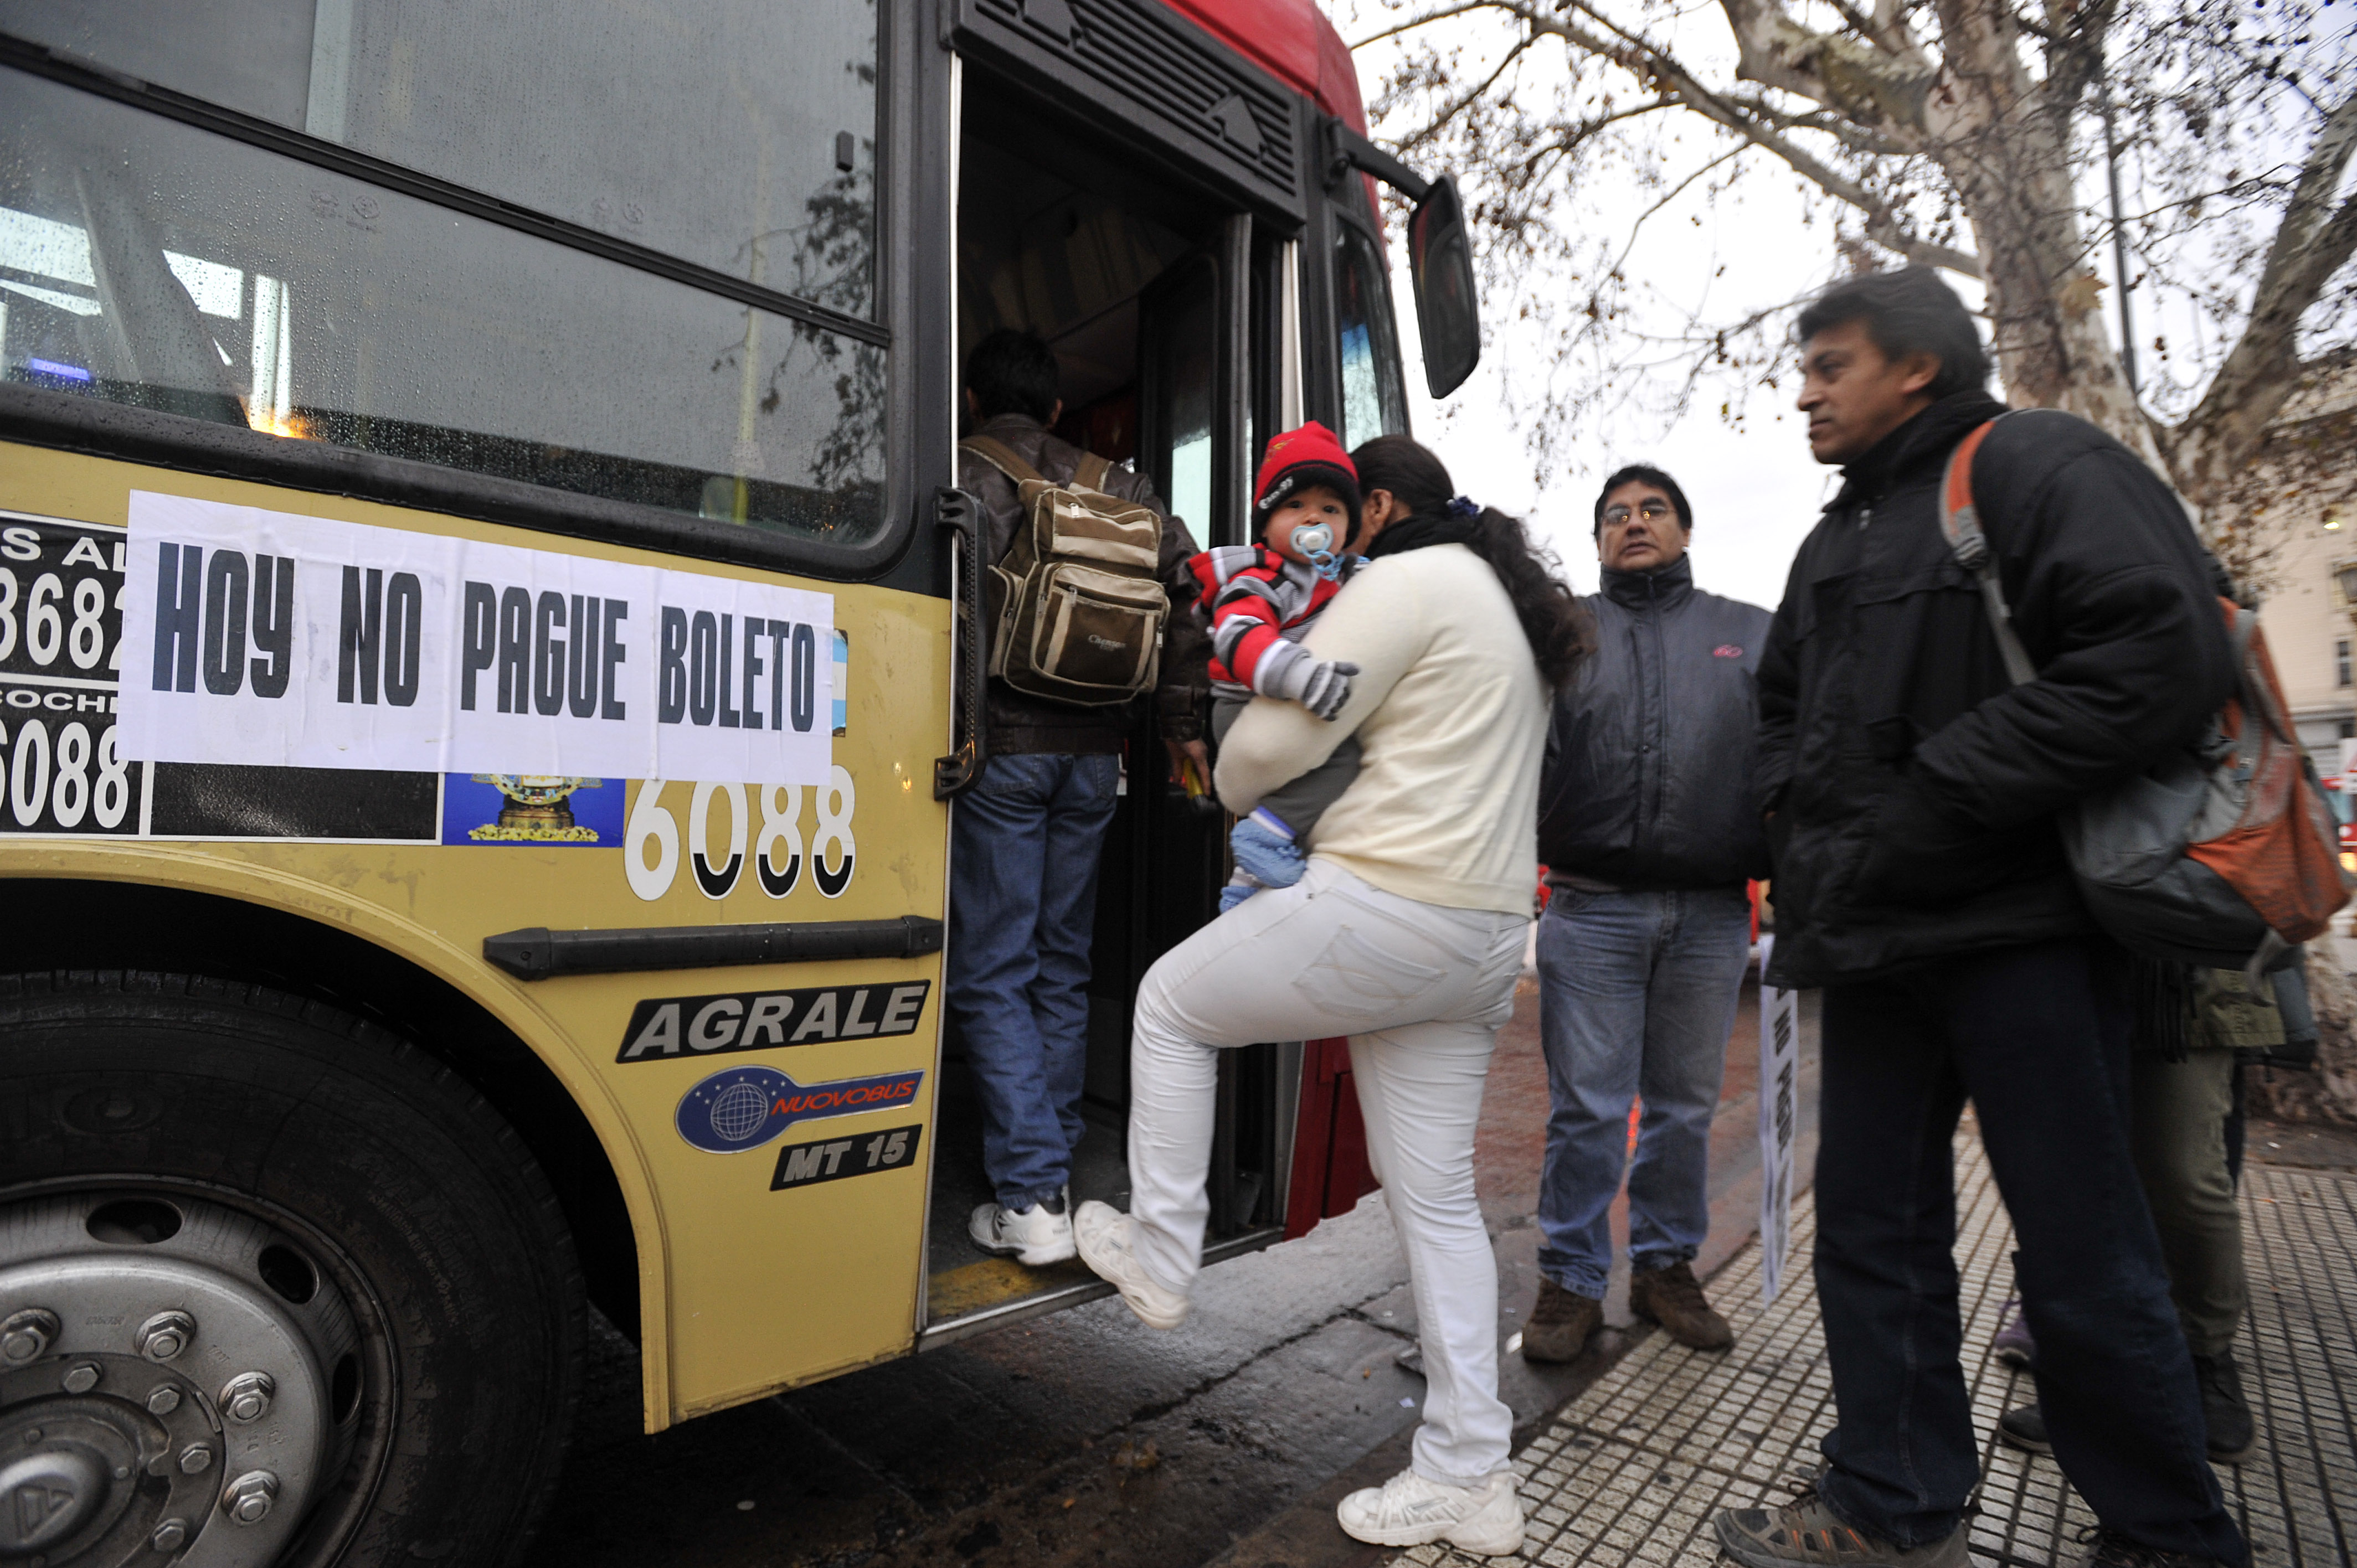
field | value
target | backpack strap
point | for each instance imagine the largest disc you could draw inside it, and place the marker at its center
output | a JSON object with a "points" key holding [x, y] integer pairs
{"points": [[1001, 457], [1088, 475], [1960, 521]]}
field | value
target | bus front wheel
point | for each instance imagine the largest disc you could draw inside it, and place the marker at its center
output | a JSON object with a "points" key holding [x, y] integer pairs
{"points": [[276, 1288]]}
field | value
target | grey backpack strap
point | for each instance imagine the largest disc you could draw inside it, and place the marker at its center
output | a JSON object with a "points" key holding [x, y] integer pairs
{"points": [[1960, 521], [1001, 457]]}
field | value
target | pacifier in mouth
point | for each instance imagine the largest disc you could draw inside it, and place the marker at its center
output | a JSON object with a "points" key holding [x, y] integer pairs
{"points": [[1316, 542]]}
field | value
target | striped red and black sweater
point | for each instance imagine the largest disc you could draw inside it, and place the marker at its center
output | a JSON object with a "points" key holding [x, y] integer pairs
{"points": [[1259, 603]]}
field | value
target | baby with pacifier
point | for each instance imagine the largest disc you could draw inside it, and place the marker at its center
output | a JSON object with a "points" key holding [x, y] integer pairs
{"points": [[1262, 599]]}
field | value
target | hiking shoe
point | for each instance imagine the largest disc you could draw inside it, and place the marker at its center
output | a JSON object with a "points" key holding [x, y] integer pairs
{"points": [[2024, 1429], [1561, 1325], [1673, 1298], [1408, 1510], [1033, 1237], [2225, 1410], [1804, 1533], [2113, 1550], [1106, 1237], [2013, 1345]]}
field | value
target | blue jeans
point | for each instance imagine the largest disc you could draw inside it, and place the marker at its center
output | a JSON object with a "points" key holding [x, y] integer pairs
{"points": [[2037, 1037], [1637, 994], [1023, 899]]}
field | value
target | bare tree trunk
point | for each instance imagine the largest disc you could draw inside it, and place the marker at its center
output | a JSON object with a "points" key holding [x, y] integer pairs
{"points": [[2008, 156]]}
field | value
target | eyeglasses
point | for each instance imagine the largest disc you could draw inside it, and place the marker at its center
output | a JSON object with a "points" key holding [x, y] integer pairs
{"points": [[1650, 511]]}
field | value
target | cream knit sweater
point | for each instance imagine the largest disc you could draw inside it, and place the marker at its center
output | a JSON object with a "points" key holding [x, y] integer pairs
{"points": [[1451, 716]]}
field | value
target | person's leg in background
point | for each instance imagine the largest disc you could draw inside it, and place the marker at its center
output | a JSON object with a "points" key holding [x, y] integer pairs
{"points": [[1328, 956], [1901, 1461], [2177, 1116], [999, 832], [1596, 960], [1078, 814], [1421, 991], [1420, 1093], [2237, 1126], [1689, 1012], [2040, 1035]]}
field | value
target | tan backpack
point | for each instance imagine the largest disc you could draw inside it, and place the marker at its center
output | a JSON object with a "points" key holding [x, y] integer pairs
{"points": [[1080, 601]]}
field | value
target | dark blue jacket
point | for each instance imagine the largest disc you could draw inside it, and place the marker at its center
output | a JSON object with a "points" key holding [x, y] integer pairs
{"points": [[1649, 759]]}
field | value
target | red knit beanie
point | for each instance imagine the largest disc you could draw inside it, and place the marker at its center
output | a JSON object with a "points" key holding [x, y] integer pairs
{"points": [[1299, 459]]}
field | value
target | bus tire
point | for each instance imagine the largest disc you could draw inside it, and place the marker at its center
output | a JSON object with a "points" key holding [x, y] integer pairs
{"points": [[134, 1105]]}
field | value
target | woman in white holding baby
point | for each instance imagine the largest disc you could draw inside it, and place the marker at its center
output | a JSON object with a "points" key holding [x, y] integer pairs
{"points": [[1406, 933]]}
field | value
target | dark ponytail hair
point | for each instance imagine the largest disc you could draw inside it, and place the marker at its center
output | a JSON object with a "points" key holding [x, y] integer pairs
{"points": [[1558, 626]]}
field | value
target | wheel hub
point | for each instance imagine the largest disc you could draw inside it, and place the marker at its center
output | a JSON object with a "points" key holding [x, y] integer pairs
{"points": [[168, 1394], [54, 1491]]}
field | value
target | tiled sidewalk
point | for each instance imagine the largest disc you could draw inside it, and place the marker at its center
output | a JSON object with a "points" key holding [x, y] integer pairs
{"points": [[1632, 1472]]}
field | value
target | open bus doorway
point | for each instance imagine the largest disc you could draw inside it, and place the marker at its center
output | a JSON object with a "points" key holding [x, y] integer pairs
{"points": [[1125, 279]]}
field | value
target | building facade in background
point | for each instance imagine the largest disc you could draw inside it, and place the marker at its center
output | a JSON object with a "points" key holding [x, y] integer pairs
{"points": [[2304, 479]]}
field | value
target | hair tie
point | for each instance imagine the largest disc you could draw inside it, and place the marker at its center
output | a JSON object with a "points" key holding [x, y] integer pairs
{"points": [[1463, 506]]}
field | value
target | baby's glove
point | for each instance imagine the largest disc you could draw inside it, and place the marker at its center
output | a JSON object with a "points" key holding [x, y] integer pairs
{"points": [[1267, 855], [1321, 685]]}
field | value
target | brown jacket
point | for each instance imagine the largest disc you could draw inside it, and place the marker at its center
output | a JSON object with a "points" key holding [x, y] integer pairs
{"points": [[1025, 723]]}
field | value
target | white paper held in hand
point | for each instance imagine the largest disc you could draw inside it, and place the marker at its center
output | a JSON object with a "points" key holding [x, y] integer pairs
{"points": [[1780, 1115]]}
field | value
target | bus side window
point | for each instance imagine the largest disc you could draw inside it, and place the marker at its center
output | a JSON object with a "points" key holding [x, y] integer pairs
{"points": [[241, 280], [1375, 393]]}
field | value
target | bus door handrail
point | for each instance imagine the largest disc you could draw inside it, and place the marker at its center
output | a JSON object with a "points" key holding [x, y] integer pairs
{"points": [[955, 511]]}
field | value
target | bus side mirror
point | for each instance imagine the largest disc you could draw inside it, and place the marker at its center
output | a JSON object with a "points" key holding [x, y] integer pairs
{"points": [[1440, 267]]}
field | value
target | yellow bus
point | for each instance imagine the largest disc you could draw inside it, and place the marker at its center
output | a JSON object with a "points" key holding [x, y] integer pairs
{"points": [[480, 623]]}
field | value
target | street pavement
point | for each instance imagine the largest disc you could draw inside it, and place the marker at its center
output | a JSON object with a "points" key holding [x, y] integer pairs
{"points": [[1085, 1437], [1632, 1470]]}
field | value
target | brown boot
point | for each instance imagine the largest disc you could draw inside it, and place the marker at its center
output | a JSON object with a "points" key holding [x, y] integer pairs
{"points": [[1561, 1324], [1673, 1298]]}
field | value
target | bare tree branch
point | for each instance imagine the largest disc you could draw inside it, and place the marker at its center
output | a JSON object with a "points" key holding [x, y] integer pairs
{"points": [[1661, 70], [1409, 143], [1412, 23], [2313, 241], [1954, 133], [1671, 195]]}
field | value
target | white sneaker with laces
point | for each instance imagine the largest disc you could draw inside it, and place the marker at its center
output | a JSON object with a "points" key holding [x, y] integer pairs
{"points": [[1032, 1237], [1104, 1236], [1409, 1510]]}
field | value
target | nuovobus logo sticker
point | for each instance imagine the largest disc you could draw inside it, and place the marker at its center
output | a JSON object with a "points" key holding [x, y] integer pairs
{"points": [[746, 1107]]}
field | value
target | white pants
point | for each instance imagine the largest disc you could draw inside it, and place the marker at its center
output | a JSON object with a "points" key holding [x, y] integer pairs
{"points": [[1421, 991]]}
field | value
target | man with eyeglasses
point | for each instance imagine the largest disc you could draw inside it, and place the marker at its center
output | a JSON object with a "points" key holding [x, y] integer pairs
{"points": [[1648, 830]]}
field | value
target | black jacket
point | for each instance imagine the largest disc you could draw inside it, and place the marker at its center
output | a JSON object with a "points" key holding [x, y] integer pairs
{"points": [[1650, 751], [1914, 790], [1026, 723]]}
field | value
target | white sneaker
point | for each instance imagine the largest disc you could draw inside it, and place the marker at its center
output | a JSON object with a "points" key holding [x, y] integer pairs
{"points": [[1408, 1510], [1032, 1237], [1105, 1236]]}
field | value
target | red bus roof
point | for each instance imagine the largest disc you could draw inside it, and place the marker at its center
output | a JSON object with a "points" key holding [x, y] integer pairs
{"points": [[1293, 41]]}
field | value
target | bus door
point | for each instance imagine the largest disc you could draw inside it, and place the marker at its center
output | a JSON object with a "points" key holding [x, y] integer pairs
{"points": [[1144, 286]]}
